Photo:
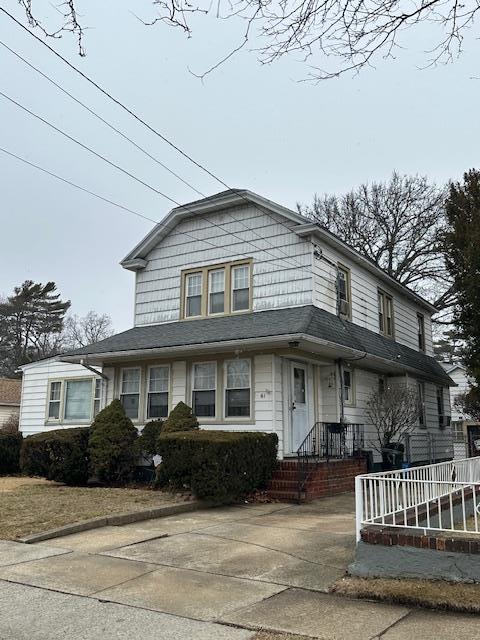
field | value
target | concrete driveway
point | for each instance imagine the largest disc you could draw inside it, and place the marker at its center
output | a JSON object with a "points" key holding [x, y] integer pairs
{"points": [[213, 574]]}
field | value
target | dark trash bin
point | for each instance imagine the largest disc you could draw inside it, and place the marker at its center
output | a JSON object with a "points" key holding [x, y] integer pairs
{"points": [[392, 456]]}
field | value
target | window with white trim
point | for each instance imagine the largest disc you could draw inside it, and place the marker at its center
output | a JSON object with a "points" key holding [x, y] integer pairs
{"points": [[54, 400], [240, 283], [130, 391], [421, 404], [97, 396], [204, 389], [78, 400], [216, 291], [348, 392], [193, 294], [157, 392], [385, 314], [421, 331], [237, 388]]}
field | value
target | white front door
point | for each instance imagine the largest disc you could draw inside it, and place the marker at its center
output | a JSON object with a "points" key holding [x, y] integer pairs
{"points": [[299, 405]]}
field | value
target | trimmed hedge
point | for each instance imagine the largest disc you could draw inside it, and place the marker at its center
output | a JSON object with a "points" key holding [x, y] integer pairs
{"points": [[60, 455], [10, 445], [112, 447], [219, 466]]}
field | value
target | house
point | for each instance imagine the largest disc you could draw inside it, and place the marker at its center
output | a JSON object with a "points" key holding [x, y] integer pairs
{"points": [[10, 393], [463, 426], [258, 318]]}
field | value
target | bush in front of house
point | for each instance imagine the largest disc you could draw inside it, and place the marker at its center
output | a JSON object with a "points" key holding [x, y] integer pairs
{"points": [[147, 440], [218, 466], [10, 445], [60, 455], [180, 419], [112, 446]]}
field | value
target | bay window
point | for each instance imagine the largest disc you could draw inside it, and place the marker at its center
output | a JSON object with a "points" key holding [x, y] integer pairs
{"points": [[157, 392], [204, 389], [74, 400], [240, 287], [130, 391], [237, 388]]}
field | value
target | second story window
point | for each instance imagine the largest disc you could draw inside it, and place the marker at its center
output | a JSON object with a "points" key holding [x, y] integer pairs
{"points": [[193, 294], [385, 314], [241, 287], [216, 290], [421, 332], [343, 291]]}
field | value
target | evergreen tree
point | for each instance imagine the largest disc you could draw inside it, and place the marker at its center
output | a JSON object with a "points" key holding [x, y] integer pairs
{"points": [[31, 322], [462, 248]]}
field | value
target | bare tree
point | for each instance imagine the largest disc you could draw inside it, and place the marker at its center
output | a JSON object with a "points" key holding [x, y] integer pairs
{"points": [[393, 413], [468, 403], [352, 34], [399, 225], [80, 332], [11, 424]]}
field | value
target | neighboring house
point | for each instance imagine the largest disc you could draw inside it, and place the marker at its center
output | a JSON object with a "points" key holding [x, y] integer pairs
{"points": [[10, 393], [258, 318], [461, 423]]}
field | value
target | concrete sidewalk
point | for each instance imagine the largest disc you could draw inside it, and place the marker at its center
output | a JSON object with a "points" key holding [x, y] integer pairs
{"points": [[253, 566]]}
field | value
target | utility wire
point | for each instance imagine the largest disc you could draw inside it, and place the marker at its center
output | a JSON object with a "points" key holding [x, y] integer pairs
{"points": [[96, 115], [131, 175], [154, 131]]}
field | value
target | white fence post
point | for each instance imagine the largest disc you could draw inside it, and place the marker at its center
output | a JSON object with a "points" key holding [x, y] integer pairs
{"points": [[358, 506]]}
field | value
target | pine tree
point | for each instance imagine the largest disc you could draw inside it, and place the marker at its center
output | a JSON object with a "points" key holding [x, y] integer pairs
{"points": [[462, 248]]}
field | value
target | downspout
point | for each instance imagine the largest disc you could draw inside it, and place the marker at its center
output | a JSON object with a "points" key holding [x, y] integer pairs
{"points": [[339, 363], [98, 373]]}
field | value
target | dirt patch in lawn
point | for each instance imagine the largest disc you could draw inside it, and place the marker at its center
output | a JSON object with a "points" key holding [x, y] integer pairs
{"points": [[436, 594], [32, 505]]}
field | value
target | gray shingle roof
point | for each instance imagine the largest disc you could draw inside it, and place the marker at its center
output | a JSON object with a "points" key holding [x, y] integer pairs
{"points": [[308, 320]]}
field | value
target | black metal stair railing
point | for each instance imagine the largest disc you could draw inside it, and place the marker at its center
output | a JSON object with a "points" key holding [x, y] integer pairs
{"points": [[325, 441]]}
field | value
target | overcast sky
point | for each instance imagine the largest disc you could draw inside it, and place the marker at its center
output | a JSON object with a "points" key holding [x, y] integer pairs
{"points": [[256, 126]]}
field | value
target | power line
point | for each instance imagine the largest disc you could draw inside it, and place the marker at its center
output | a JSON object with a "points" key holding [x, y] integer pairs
{"points": [[77, 186], [128, 173], [96, 115], [153, 130]]}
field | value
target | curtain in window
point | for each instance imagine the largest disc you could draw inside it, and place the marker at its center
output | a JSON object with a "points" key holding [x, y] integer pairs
{"points": [[78, 400]]}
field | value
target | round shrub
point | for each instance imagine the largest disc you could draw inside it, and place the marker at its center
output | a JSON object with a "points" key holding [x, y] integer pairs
{"points": [[180, 419], [60, 455], [111, 446], [10, 444]]}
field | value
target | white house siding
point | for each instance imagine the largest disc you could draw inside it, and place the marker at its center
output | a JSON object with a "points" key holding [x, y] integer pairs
{"points": [[281, 273], [6, 411], [459, 376], [364, 287], [34, 393]]}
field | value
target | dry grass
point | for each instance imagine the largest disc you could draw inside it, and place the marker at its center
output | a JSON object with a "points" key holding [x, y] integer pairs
{"points": [[270, 635], [31, 505], [436, 594]]}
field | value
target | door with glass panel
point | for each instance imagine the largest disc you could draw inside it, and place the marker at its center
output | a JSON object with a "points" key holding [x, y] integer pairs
{"points": [[299, 405]]}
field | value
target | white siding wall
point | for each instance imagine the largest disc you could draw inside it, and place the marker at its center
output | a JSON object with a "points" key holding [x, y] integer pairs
{"points": [[277, 280], [34, 393], [364, 288], [460, 377]]}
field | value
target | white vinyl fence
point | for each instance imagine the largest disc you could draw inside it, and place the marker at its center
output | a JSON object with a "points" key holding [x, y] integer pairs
{"points": [[439, 497]]}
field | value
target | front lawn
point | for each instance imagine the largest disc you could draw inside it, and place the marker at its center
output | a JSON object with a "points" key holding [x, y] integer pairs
{"points": [[32, 505]]}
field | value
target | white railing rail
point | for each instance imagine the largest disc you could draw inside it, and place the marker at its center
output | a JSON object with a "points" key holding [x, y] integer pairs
{"points": [[436, 497]]}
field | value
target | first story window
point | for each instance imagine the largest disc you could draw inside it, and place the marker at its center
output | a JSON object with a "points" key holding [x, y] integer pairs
{"points": [[348, 386], [157, 394], [54, 400], [130, 391], [441, 408], [421, 404], [237, 388], [74, 400], [204, 388]]}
